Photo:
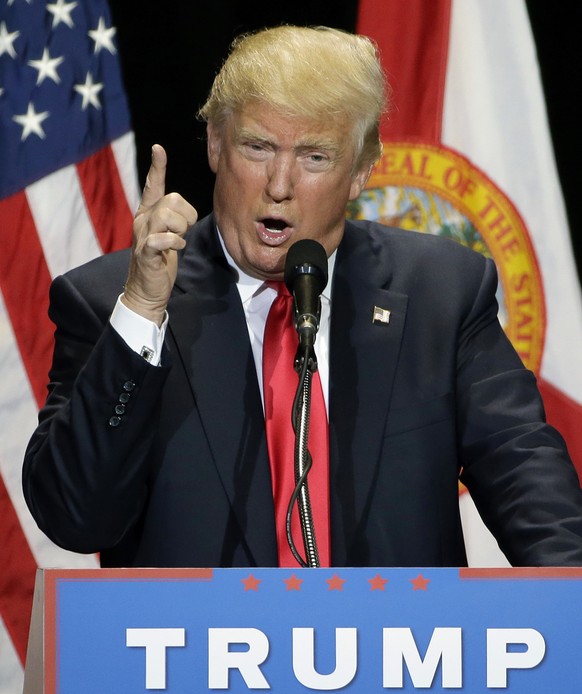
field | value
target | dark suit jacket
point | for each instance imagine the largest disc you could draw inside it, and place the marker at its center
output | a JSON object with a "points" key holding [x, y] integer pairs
{"points": [[184, 480]]}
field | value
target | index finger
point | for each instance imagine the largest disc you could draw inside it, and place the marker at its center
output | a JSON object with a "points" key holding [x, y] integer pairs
{"points": [[155, 185]]}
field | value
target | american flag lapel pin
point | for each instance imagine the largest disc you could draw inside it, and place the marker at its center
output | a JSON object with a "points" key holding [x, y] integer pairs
{"points": [[381, 316]]}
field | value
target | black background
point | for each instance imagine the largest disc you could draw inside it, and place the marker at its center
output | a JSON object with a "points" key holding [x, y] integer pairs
{"points": [[170, 52]]}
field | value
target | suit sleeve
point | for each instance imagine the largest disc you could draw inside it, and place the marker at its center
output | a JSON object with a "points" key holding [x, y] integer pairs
{"points": [[86, 466], [515, 465]]}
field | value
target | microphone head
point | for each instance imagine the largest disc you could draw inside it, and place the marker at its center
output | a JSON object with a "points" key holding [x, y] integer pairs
{"points": [[306, 257]]}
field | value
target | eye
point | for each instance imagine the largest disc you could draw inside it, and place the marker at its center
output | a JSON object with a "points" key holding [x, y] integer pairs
{"points": [[255, 150], [316, 161]]}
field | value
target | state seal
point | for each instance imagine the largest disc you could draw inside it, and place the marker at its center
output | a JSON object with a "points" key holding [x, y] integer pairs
{"points": [[433, 189]]}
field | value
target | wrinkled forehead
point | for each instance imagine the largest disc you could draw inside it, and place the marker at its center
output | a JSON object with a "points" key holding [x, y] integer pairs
{"points": [[265, 120], [290, 105]]}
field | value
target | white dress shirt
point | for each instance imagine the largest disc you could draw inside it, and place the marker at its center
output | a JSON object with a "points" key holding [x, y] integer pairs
{"points": [[146, 338]]}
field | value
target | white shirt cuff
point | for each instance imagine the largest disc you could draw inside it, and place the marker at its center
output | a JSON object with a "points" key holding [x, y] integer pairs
{"points": [[141, 335]]}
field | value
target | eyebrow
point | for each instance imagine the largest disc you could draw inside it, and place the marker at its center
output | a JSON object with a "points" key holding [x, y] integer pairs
{"points": [[326, 144], [309, 143], [246, 134]]}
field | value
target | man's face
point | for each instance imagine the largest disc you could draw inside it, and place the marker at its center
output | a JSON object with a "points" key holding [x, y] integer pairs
{"points": [[280, 179]]}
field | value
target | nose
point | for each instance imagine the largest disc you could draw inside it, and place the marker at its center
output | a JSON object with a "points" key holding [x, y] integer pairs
{"points": [[281, 178]]}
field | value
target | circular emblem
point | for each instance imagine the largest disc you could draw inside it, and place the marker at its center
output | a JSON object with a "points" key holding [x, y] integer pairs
{"points": [[436, 190]]}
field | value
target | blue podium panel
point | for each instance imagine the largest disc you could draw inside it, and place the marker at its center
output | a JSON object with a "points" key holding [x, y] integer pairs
{"points": [[305, 630]]}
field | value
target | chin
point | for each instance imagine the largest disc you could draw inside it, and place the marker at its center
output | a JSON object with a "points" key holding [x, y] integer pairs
{"points": [[272, 261]]}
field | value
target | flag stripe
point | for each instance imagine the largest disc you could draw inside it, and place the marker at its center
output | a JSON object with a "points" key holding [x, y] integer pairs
{"points": [[62, 221], [500, 123], [413, 36], [67, 167], [18, 406], [17, 576], [105, 198], [125, 156], [482, 548], [26, 301], [10, 665]]}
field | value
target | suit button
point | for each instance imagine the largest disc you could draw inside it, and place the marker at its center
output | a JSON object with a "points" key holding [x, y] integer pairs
{"points": [[128, 386], [120, 409], [124, 397], [115, 421]]}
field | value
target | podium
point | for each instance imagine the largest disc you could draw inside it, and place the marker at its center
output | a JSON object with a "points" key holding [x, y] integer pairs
{"points": [[305, 630]]}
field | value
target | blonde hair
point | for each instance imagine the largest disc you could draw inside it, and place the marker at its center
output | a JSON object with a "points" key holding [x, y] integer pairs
{"points": [[309, 72]]}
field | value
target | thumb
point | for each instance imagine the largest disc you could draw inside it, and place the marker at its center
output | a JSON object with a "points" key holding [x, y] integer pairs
{"points": [[155, 185]]}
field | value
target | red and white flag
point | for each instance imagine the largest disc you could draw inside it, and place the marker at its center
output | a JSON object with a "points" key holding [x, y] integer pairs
{"points": [[68, 189], [468, 154]]}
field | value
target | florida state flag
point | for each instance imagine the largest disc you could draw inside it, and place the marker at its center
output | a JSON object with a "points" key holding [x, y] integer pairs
{"points": [[468, 155]]}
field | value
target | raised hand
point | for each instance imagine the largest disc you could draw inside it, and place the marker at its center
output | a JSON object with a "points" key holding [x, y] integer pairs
{"points": [[158, 230]]}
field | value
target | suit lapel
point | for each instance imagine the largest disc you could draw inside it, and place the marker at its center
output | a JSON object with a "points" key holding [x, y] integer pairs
{"points": [[363, 357], [210, 336]]}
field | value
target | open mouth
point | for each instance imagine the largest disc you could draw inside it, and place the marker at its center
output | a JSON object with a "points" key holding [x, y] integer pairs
{"points": [[275, 226], [274, 231]]}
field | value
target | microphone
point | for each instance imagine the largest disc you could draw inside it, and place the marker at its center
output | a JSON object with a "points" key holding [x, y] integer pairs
{"points": [[306, 277]]}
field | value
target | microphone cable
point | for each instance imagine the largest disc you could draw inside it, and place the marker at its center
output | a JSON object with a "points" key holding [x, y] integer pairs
{"points": [[303, 463]]}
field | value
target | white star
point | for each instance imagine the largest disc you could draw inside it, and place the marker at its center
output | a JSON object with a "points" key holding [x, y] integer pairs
{"points": [[47, 67], [103, 37], [89, 92], [61, 11], [6, 40], [31, 122], [11, 2]]}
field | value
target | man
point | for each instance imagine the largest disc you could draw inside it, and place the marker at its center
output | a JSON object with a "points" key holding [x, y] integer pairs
{"points": [[151, 448]]}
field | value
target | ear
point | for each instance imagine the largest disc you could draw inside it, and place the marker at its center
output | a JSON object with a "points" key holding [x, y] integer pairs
{"points": [[214, 146], [359, 180]]}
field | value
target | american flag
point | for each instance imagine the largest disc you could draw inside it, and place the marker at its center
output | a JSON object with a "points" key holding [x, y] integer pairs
{"points": [[68, 187]]}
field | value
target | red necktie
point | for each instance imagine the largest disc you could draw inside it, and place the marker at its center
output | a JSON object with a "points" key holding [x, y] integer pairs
{"points": [[280, 381]]}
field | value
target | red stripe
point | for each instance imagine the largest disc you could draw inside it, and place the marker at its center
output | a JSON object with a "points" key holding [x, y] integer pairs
{"points": [[413, 37], [16, 577], [105, 200], [566, 415], [520, 573], [25, 281], [140, 575]]}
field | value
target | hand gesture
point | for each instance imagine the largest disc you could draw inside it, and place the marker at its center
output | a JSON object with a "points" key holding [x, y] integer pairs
{"points": [[158, 230]]}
